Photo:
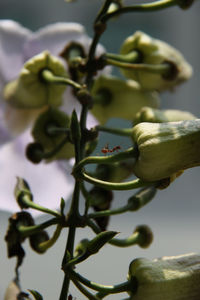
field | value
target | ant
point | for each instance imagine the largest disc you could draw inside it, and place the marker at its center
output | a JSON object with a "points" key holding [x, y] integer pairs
{"points": [[106, 149]]}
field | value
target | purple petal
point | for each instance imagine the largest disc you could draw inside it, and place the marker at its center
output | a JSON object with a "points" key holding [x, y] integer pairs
{"points": [[12, 39], [48, 182], [54, 38], [5, 134]]}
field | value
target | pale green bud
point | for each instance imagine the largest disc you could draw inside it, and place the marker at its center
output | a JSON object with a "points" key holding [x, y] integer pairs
{"points": [[116, 98], [148, 114], [29, 90], [166, 278], [166, 148], [155, 52], [49, 140]]}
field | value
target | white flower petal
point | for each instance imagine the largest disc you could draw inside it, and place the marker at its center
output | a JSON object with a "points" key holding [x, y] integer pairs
{"points": [[54, 38], [12, 39], [48, 182], [5, 134]]}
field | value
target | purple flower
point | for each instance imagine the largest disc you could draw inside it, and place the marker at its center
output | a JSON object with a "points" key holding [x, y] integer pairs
{"points": [[48, 182]]}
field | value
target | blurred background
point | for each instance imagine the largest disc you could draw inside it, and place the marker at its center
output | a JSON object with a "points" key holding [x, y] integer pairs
{"points": [[174, 213]]}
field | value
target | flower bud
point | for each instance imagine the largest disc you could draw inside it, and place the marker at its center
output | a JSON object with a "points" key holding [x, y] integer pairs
{"points": [[145, 236], [23, 193], [29, 90], [115, 98], [166, 148], [37, 239], [156, 52], [81, 247], [35, 152], [166, 278], [48, 139], [148, 114], [101, 199]]}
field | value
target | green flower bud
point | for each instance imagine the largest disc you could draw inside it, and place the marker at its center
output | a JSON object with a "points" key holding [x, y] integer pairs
{"points": [[166, 148], [37, 239], [101, 199], [166, 278], [156, 52], [145, 236], [29, 90], [115, 98], [49, 139], [81, 247], [23, 193], [148, 114]]}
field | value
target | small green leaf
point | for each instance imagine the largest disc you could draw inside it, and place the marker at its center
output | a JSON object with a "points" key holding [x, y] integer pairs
{"points": [[36, 295], [100, 240], [62, 206]]}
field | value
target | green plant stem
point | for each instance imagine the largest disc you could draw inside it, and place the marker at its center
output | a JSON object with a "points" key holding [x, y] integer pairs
{"points": [[147, 7], [109, 289], [131, 57], [117, 131], [127, 154], [49, 77], [117, 186], [33, 205], [84, 291], [73, 214], [163, 69], [71, 237], [103, 10], [134, 239], [46, 245], [108, 212], [29, 230]]}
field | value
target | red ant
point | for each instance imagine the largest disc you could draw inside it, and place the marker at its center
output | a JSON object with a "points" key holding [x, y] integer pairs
{"points": [[106, 149]]}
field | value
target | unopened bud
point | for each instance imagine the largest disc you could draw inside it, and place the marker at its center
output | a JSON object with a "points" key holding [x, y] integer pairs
{"points": [[29, 90], [156, 52], [166, 148], [148, 114], [110, 92], [166, 278]]}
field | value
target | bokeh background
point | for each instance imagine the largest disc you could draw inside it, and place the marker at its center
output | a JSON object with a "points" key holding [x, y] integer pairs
{"points": [[174, 213]]}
